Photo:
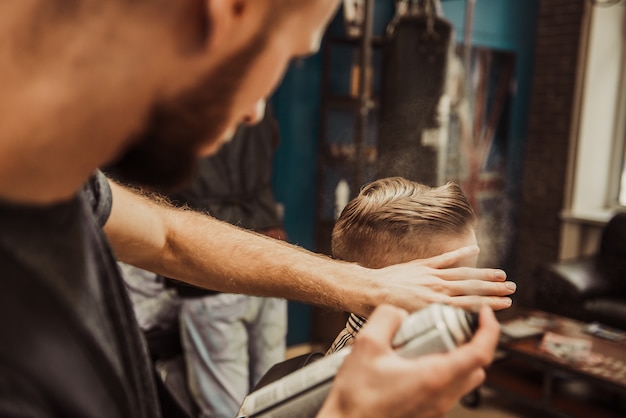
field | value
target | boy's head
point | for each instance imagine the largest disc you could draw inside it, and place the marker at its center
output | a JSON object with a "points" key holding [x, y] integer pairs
{"points": [[395, 220]]}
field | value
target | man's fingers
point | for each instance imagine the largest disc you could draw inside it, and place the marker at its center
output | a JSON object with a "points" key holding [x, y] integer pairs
{"points": [[480, 350], [469, 273], [498, 304], [488, 331], [477, 353], [444, 261], [472, 294], [383, 323], [461, 370], [480, 288], [450, 258], [474, 303]]}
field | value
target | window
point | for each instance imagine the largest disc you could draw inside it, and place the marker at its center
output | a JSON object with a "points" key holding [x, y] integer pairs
{"points": [[597, 182], [620, 143], [600, 163]]}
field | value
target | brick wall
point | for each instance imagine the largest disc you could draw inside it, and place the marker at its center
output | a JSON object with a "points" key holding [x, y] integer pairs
{"points": [[545, 162]]}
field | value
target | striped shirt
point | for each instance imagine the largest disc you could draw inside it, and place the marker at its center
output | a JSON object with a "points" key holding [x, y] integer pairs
{"points": [[346, 336]]}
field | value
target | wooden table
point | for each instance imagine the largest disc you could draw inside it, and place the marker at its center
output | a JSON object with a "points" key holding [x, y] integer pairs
{"points": [[527, 373]]}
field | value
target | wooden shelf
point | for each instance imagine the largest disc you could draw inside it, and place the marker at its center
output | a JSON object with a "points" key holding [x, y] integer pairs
{"points": [[551, 390]]}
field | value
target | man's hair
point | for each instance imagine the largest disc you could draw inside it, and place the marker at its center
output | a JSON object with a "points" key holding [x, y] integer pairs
{"points": [[395, 218]]}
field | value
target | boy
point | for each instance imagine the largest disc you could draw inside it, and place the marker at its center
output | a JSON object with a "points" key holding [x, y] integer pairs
{"points": [[394, 220]]}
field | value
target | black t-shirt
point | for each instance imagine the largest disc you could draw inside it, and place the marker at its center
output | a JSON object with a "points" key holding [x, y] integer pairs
{"points": [[69, 342], [235, 185]]}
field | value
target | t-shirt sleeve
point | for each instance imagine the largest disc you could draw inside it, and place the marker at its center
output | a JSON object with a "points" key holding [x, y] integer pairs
{"points": [[98, 193]]}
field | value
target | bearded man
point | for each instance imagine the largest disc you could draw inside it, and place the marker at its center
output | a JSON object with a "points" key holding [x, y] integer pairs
{"points": [[150, 86]]}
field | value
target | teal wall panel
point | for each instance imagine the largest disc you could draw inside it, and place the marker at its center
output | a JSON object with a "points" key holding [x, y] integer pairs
{"points": [[297, 106], [508, 25]]}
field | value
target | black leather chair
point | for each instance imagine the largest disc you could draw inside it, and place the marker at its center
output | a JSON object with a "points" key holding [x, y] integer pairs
{"points": [[591, 288]]}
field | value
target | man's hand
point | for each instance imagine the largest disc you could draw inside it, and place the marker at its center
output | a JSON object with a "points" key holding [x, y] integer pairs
{"points": [[374, 381], [417, 284]]}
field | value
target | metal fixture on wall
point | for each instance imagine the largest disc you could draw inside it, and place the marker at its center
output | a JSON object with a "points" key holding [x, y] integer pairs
{"points": [[365, 99], [415, 59], [607, 3], [470, 6]]}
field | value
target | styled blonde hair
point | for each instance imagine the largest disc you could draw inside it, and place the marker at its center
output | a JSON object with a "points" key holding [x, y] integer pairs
{"points": [[394, 220]]}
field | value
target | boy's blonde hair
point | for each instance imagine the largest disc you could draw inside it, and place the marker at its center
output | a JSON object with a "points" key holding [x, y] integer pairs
{"points": [[394, 220]]}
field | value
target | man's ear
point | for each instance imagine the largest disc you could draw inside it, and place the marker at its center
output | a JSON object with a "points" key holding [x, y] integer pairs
{"points": [[227, 21]]}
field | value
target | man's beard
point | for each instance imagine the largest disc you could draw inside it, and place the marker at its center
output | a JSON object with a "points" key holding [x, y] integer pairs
{"points": [[164, 156]]}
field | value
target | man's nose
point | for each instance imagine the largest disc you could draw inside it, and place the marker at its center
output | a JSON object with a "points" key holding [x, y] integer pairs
{"points": [[255, 114]]}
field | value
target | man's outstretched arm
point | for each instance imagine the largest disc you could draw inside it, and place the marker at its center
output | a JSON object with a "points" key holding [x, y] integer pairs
{"points": [[205, 252]]}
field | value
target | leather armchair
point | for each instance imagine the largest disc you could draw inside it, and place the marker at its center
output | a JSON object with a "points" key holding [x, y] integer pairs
{"points": [[590, 288]]}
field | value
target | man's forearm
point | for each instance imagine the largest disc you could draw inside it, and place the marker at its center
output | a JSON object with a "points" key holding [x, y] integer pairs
{"points": [[203, 251], [200, 250], [217, 255]]}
